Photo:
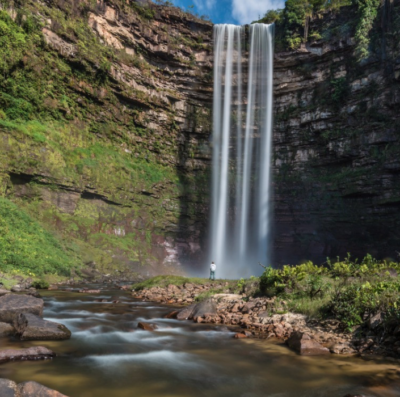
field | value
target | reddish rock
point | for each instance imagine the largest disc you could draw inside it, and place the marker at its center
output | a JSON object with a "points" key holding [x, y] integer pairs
{"points": [[240, 335], [11, 306], [32, 353], [147, 326], [305, 346], [89, 291], [172, 314], [279, 331], [33, 389]]}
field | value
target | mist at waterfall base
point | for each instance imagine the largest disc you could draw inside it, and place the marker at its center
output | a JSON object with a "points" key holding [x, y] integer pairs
{"points": [[242, 147]]}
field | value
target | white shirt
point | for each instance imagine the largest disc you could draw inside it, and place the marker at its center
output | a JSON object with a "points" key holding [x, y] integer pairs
{"points": [[213, 267]]}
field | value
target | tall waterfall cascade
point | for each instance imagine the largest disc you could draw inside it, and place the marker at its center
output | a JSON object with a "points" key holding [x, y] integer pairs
{"points": [[242, 147]]}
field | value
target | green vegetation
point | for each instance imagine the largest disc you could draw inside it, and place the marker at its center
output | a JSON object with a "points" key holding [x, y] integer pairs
{"points": [[164, 281], [348, 290], [368, 11], [27, 248], [292, 23]]}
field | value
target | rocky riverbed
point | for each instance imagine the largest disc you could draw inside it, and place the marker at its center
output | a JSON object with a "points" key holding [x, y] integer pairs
{"points": [[260, 318], [121, 346]]}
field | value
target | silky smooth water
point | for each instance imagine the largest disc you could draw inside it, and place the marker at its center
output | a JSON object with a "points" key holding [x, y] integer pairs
{"points": [[108, 356], [242, 148]]}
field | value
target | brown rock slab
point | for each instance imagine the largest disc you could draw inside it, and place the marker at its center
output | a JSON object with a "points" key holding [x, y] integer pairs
{"points": [[305, 345], [6, 330], [4, 291], [8, 388], [33, 389], [11, 306], [147, 326], [32, 353], [240, 335], [32, 327], [186, 312]]}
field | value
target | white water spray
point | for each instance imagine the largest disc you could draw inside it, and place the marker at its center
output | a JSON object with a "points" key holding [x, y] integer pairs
{"points": [[242, 148]]}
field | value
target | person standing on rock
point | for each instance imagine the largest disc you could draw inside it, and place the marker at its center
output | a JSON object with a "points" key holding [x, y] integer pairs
{"points": [[213, 268]]}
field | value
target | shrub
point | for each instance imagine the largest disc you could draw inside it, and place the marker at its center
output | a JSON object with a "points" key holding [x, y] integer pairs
{"points": [[41, 284]]}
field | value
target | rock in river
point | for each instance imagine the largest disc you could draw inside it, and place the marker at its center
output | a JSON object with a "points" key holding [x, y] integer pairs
{"points": [[200, 309], [8, 388], [32, 353], [33, 389], [32, 327], [6, 330], [12, 305], [305, 345], [147, 326]]}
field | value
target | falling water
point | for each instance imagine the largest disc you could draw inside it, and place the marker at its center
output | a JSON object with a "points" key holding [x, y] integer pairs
{"points": [[242, 141]]}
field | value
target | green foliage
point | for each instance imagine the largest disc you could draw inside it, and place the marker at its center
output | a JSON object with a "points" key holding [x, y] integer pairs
{"points": [[357, 302], [368, 11], [40, 284], [25, 246], [275, 282], [271, 16], [340, 91]]}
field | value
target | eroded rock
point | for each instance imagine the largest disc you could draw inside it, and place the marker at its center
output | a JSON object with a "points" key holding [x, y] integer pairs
{"points": [[12, 305], [6, 330], [8, 388], [305, 345], [33, 389], [32, 353], [147, 326], [32, 327]]}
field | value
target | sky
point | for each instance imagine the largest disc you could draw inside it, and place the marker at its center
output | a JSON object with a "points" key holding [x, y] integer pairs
{"points": [[238, 12]]}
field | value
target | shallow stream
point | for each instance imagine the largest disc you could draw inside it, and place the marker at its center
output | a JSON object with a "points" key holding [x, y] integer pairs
{"points": [[108, 356]]}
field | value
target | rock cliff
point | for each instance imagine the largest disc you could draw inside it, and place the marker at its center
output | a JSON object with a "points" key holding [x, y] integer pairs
{"points": [[106, 122]]}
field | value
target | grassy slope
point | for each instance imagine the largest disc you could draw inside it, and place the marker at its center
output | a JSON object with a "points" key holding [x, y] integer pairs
{"points": [[27, 248], [64, 116]]}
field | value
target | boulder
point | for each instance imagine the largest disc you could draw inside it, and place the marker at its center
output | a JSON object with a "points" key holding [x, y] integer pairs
{"points": [[33, 389], [305, 345], [147, 326], [203, 308], [32, 327], [32, 353], [186, 312], [12, 305], [6, 330], [240, 335], [4, 291], [8, 388]]}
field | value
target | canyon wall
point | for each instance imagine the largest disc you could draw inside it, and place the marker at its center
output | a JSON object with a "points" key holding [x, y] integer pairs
{"points": [[337, 142], [106, 125]]}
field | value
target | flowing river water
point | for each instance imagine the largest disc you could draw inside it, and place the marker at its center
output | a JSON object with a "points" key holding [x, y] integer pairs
{"points": [[108, 356]]}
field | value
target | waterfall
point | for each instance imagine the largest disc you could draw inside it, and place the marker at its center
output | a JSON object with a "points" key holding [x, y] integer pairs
{"points": [[242, 147]]}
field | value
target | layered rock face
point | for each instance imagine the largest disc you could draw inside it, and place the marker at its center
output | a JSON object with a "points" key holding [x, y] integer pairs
{"points": [[125, 173], [337, 142], [120, 161]]}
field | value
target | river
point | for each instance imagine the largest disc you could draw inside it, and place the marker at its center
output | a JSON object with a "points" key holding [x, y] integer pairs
{"points": [[108, 356]]}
